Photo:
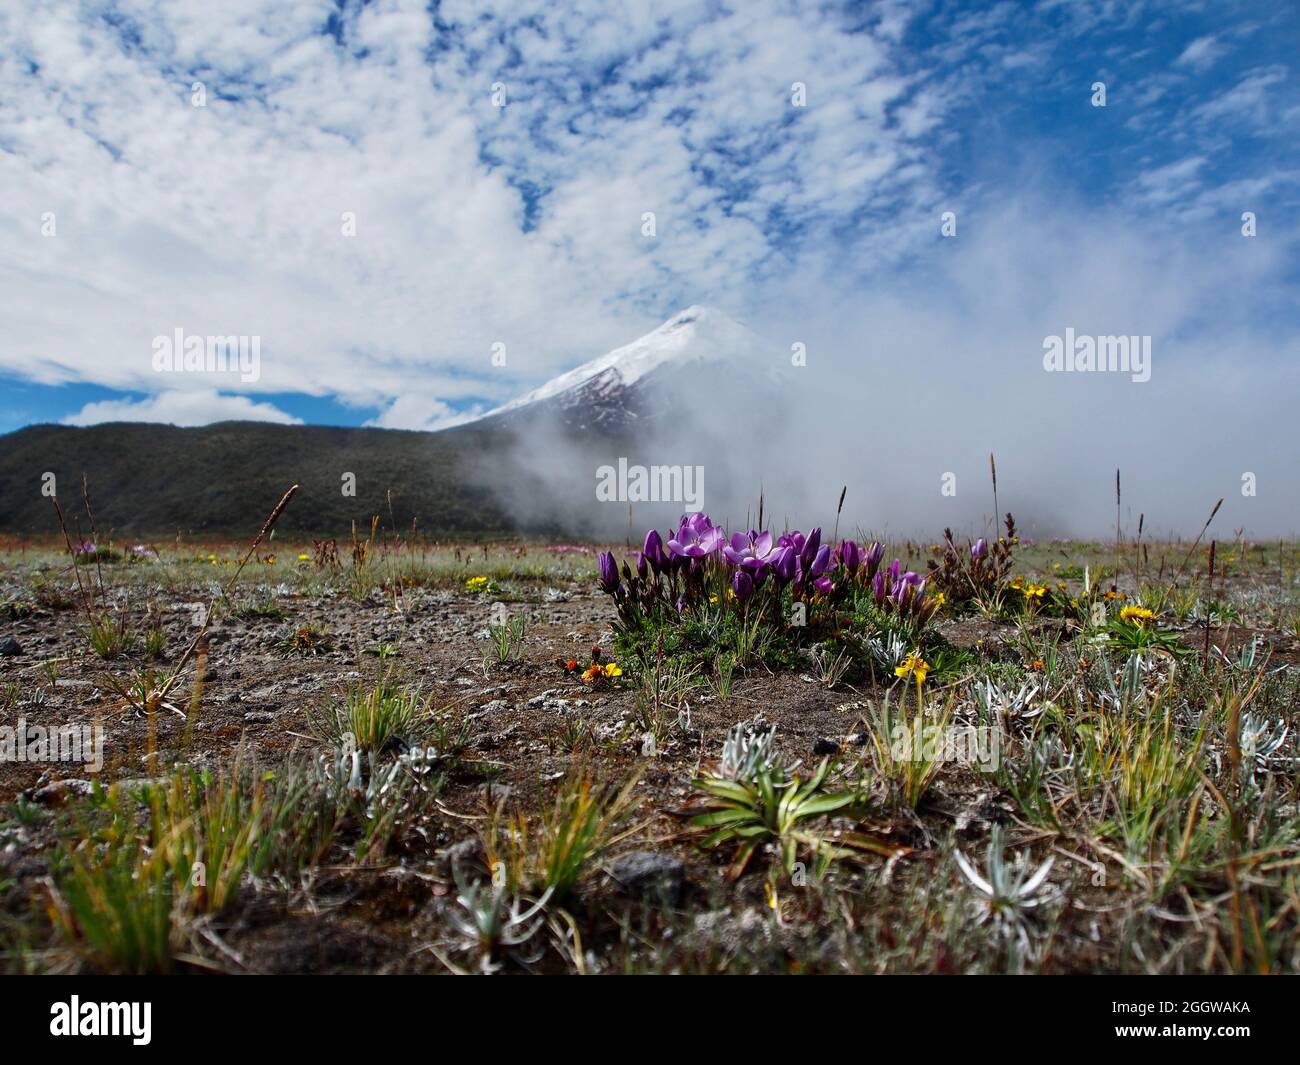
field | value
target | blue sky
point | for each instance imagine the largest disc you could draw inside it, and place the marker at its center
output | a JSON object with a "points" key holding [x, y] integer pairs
{"points": [[522, 225]]}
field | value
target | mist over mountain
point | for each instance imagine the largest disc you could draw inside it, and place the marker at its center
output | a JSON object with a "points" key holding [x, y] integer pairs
{"points": [[702, 412]]}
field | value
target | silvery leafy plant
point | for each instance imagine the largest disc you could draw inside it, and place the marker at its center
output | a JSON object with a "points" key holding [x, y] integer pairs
{"points": [[1007, 893]]}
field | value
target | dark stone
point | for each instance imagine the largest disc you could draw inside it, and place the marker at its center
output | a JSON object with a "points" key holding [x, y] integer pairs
{"points": [[650, 877], [826, 746], [9, 647], [465, 860]]}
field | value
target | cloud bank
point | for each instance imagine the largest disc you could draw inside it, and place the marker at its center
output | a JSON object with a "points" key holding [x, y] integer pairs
{"points": [[423, 212]]}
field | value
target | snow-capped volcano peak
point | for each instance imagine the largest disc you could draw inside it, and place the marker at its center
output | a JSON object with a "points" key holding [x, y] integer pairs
{"points": [[698, 334]]}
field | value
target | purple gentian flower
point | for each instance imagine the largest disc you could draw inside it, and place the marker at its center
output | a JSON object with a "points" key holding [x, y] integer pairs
{"points": [[697, 537], [908, 592], [654, 550], [871, 559], [821, 561], [979, 549], [785, 562], [878, 589], [850, 556], [811, 549], [608, 572], [751, 551], [823, 585], [742, 584]]}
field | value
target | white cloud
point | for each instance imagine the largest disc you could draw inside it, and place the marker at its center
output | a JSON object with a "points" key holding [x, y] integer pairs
{"points": [[1174, 180], [226, 219], [181, 408], [423, 412], [1247, 102], [1201, 54]]}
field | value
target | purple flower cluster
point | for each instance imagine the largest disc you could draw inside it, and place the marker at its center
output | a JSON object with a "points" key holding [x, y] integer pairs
{"points": [[902, 593], [699, 560]]}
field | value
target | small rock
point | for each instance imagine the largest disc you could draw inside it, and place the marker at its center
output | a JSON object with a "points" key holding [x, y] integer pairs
{"points": [[9, 647], [494, 706], [825, 746], [59, 791], [494, 739], [259, 717], [495, 793], [135, 785], [466, 857], [650, 876]]}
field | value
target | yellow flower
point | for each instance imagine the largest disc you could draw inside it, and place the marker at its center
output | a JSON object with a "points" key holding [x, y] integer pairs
{"points": [[593, 671], [612, 670], [1112, 596], [1139, 615], [304, 558], [1034, 591], [476, 584], [913, 666], [939, 599]]}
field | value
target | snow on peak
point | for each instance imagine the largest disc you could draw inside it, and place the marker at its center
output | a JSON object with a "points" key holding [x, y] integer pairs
{"points": [[697, 334]]}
